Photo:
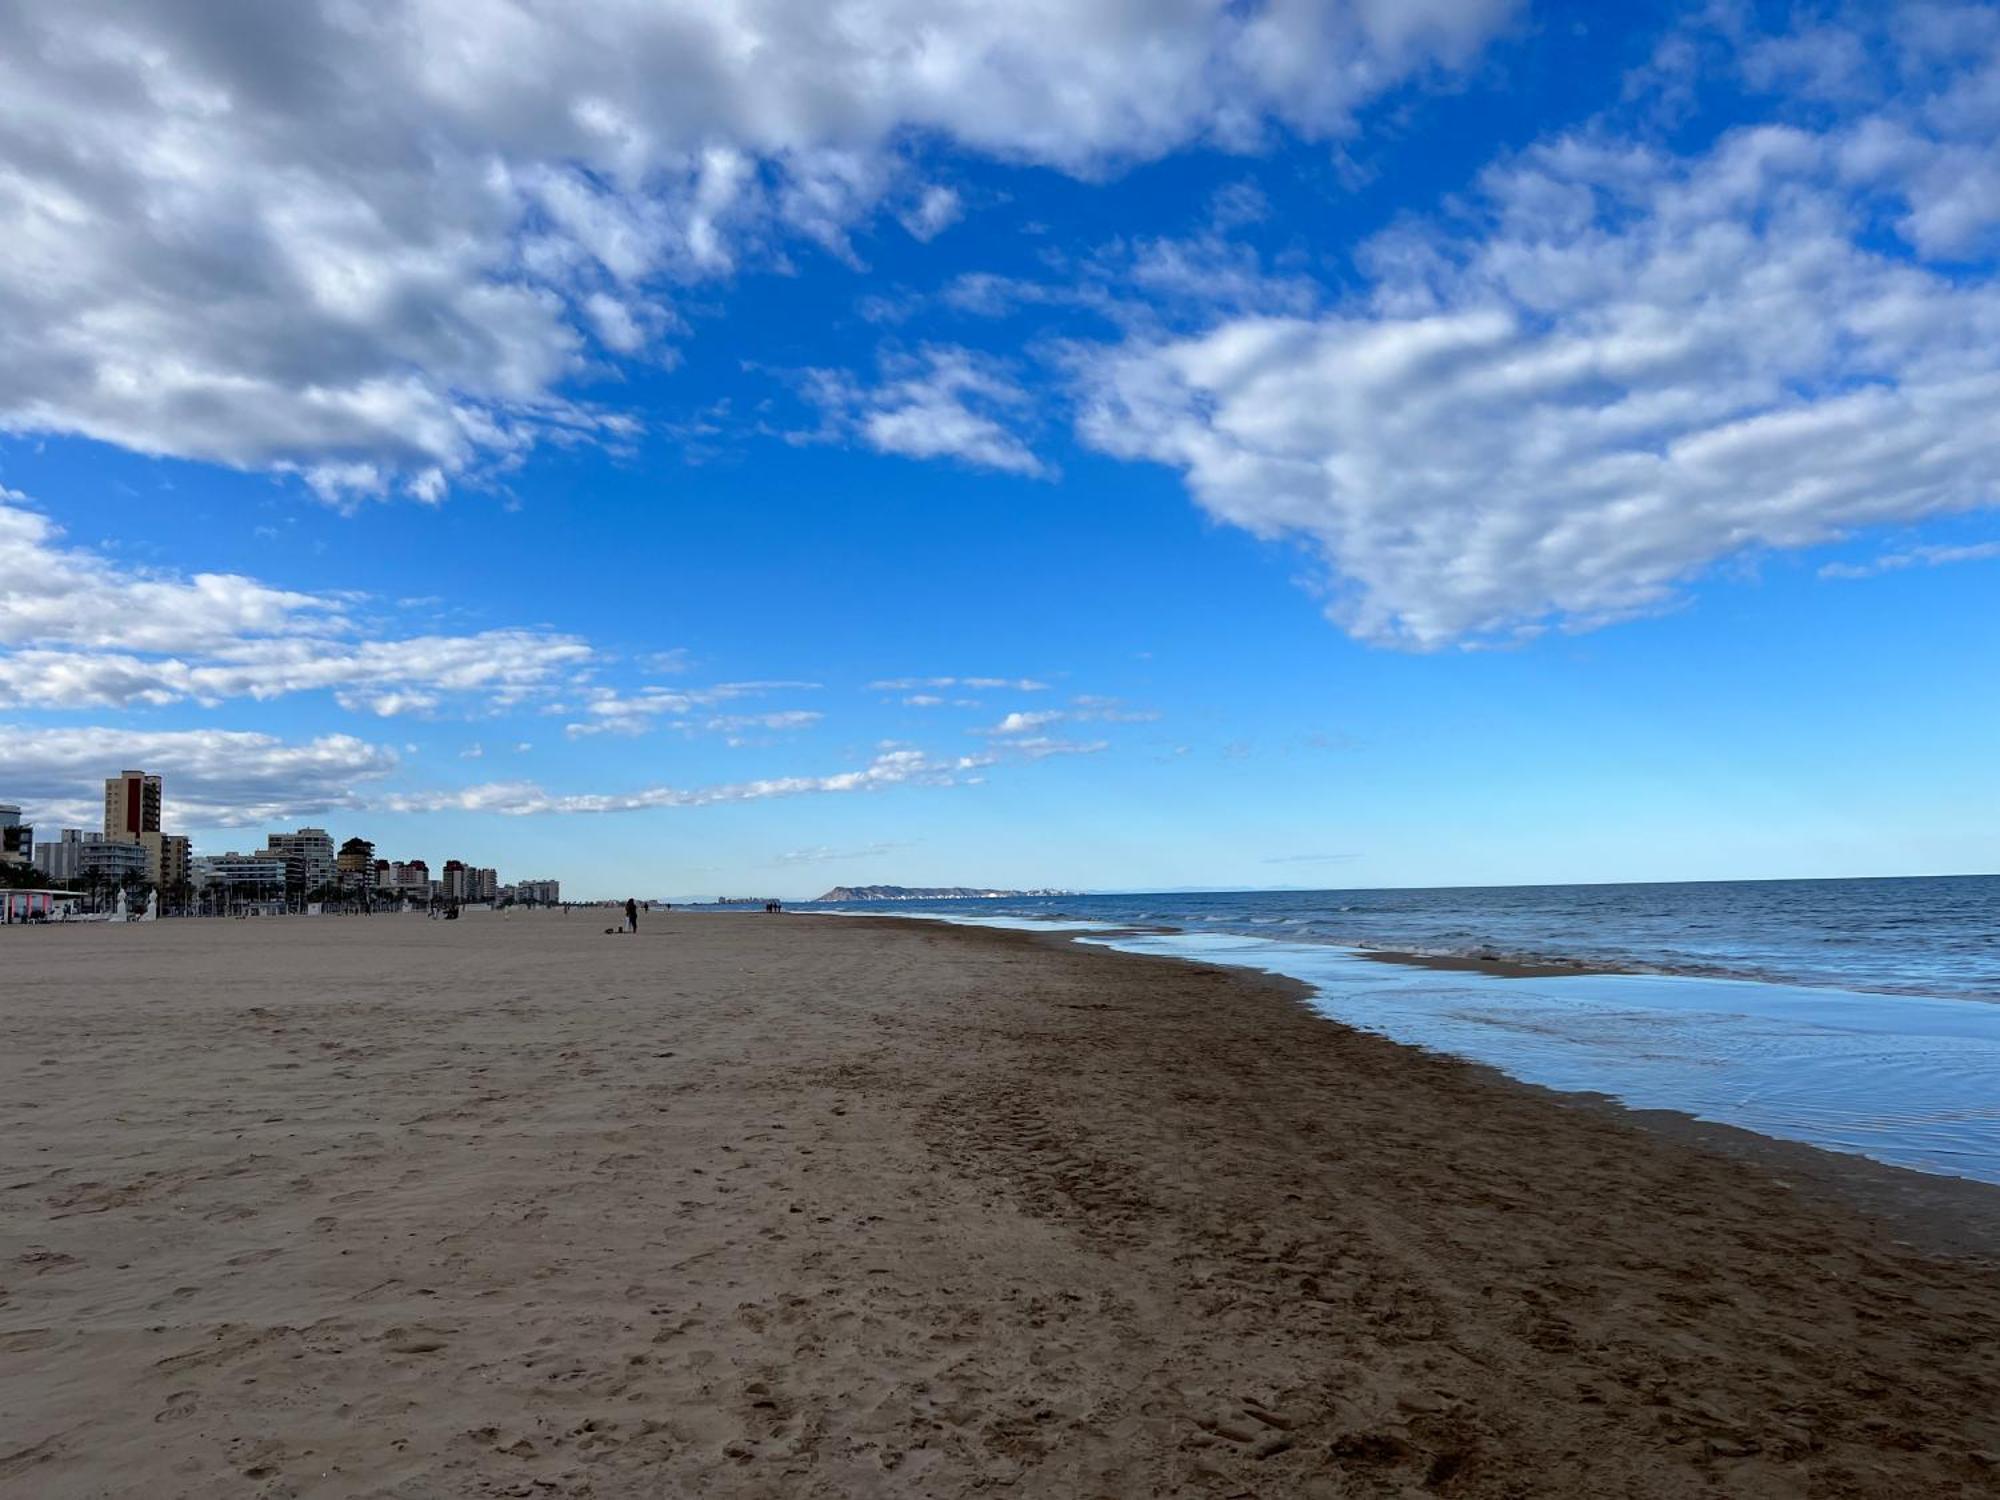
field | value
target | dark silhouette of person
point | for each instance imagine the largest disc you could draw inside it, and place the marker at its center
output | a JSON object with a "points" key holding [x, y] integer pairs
{"points": [[631, 915]]}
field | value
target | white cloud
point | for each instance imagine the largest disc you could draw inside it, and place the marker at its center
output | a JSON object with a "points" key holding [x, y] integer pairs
{"points": [[1025, 723], [372, 243], [977, 684], [212, 777], [790, 718], [1093, 707], [613, 712], [943, 402], [89, 633], [899, 767], [1084, 708], [823, 855], [57, 595], [1629, 367], [935, 212], [1915, 557], [1040, 747]]}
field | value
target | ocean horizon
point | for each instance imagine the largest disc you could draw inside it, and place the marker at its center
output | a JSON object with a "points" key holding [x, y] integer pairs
{"points": [[1902, 934]]}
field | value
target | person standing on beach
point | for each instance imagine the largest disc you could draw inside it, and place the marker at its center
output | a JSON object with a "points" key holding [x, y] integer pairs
{"points": [[631, 915]]}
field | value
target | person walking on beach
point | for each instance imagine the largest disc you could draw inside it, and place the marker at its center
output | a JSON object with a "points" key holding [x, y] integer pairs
{"points": [[631, 915]]}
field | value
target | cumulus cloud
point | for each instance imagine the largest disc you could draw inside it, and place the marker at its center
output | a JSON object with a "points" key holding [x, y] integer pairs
{"points": [[58, 595], [376, 243], [935, 212], [87, 633], [943, 402], [213, 778], [1024, 723], [1084, 708], [1617, 368]]}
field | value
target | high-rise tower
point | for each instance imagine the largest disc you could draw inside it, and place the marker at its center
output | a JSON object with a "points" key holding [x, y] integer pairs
{"points": [[131, 805]]}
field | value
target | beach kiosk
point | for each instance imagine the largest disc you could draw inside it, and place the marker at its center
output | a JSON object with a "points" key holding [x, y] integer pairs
{"points": [[35, 906]]}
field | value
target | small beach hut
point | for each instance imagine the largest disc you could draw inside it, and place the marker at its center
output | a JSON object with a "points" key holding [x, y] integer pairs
{"points": [[34, 906]]}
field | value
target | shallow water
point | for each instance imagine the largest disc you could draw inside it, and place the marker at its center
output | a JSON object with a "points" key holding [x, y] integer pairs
{"points": [[1907, 1080]]}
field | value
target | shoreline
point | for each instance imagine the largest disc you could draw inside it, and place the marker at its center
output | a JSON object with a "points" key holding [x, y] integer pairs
{"points": [[1688, 1045], [1939, 1212], [813, 1208]]}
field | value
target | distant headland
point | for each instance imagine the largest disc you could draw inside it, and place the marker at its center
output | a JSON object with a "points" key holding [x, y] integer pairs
{"points": [[925, 893]]}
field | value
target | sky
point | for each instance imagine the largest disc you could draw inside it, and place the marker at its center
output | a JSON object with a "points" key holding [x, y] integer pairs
{"points": [[696, 447]]}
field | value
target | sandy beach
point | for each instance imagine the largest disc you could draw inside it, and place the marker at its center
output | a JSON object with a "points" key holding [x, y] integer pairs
{"points": [[751, 1206]]}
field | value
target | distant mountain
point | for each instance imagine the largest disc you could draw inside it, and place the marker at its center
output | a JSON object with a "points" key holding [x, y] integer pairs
{"points": [[925, 893]]}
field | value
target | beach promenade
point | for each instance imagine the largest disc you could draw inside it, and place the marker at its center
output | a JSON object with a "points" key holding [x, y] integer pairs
{"points": [[790, 1206]]}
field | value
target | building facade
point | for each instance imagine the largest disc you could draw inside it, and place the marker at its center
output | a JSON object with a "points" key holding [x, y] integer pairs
{"points": [[111, 861], [539, 892], [131, 805], [171, 861], [166, 858], [354, 867], [58, 858], [260, 875], [308, 855], [17, 839], [409, 881]]}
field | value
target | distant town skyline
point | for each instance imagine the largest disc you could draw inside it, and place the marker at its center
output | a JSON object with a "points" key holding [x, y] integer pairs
{"points": [[1496, 442]]}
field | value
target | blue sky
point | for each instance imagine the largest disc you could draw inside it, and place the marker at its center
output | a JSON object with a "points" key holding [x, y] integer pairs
{"points": [[762, 446]]}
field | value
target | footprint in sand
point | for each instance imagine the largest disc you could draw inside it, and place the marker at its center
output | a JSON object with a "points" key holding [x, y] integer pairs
{"points": [[417, 1340]]}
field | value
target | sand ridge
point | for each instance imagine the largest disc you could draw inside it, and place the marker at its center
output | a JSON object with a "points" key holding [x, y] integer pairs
{"points": [[788, 1206]]}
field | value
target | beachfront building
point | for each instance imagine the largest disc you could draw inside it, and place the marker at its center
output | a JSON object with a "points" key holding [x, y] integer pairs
{"points": [[132, 816], [308, 856], [539, 892], [131, 805], [464, 882], [354, 868], [172, 859], [17, 839], [36, 906], [59, 859], [403, 880], [167, 857], [226, 879], [109, 863]]}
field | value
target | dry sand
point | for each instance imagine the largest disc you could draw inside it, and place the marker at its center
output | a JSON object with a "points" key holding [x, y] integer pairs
{"points": [[751, 1206]]}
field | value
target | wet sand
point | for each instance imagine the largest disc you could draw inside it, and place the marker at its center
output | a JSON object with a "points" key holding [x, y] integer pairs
{"points": [[751, 1206], [1499, 968]]}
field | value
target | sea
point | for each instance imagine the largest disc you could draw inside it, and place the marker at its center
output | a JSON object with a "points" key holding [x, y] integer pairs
{"points": [[1856, 1015]]}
